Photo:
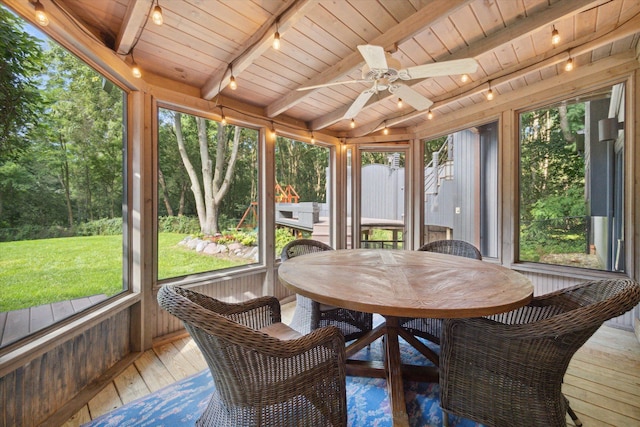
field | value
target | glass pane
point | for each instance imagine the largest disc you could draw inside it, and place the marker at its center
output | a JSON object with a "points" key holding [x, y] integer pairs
{"points": [[461, 188], [571, 181], [61, 182], [302, 192], [382, 200], [207, 195]]}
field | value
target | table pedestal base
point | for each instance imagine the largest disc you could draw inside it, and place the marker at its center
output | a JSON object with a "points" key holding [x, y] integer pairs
{"points": [[392, 368]]}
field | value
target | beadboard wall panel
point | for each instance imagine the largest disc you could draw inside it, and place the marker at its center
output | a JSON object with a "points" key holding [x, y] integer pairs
{"points": [[36, 390]]}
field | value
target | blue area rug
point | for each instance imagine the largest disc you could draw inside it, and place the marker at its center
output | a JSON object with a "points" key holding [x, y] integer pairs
{"points": [[182, 402]]}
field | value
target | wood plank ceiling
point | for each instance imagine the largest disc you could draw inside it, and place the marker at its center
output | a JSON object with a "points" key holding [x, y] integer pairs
{"points": [[203, 42]]}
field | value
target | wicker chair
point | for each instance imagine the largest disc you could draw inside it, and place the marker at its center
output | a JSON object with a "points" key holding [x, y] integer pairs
{"points": [[507, 370], [265, 373], [431, 328], [310, 315]]}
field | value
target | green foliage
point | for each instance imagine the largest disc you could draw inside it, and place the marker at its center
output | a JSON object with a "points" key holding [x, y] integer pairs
{"points": [[303, 166], [552, 200], [20, 100], [283, 236], [101, 227], [178, 224]]}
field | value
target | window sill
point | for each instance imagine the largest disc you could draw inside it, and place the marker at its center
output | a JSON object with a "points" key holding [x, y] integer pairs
{"points": [[213, 276], [565, 271]]}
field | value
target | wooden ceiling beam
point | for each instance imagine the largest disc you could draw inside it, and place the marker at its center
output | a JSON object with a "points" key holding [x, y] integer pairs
{"points": [[397, 34], [555, 12], [578, 47], [134, 20], [262, 40]]}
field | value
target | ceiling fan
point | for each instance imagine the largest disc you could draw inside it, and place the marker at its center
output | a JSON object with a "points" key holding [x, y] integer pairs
{"points": [[383, 71]]}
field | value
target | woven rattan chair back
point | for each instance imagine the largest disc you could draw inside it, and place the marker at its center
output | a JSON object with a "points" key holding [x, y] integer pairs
{"points": [[508, 369], [301, 247], [431, 329], [261, 380], [452, 247], [310, 315]]}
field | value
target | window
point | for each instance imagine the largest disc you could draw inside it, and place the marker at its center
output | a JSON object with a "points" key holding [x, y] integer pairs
{"points": [[207, 195], [302, 192], [572, 182], [61, 183], [461, 188], [382, 199]]}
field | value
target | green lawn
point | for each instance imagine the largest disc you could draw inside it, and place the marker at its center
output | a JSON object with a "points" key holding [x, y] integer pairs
{"points": [[35, 272]]}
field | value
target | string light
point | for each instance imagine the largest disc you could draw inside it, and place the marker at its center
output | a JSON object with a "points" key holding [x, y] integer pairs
{"points": [[223, 119], [555, 36], [135, 69], [156, 15], [399, 102], [276, 38], [464, 78], [490, 95], [429, 115], [313, 140], [386, 129], [569, 65], [232, 81], [353, 124], [41, 16]]}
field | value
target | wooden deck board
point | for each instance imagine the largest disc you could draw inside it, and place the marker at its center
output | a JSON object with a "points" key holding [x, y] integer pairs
{"points": [[105, 401], [17, 324], [153, 371], [130, 385]]}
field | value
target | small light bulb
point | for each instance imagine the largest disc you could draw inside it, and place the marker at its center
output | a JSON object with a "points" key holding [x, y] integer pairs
{"points": [[156, 15], [313, 140], [489, 95], [464, 78], [276, 41], [569, 65], [555, 36], [399, 102], [135, 70], [385, 130], [353, 124], [223, 120], [232, 83], [41, 16], [429, 115]]}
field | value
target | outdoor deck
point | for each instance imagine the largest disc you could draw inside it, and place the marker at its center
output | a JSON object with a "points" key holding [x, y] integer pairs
{"points": [[602, 382], [17, 324]]}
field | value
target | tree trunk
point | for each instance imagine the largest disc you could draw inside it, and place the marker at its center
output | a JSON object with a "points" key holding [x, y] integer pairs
{"points": [[193, 177], [165, 193]]}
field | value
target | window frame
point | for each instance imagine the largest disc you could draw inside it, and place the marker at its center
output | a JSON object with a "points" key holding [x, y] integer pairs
{"points": [[630, 171]]}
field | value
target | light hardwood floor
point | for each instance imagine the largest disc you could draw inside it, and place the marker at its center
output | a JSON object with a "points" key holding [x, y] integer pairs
{"points": [[602, 382]]}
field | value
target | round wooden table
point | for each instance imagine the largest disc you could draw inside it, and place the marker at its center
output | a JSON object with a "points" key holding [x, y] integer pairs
{"points": [[397, 283]]}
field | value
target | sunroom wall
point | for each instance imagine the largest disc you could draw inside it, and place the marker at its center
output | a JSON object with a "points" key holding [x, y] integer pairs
{"points": [[56, 373]]}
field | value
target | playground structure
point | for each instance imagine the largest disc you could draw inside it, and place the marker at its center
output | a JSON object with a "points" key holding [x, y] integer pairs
{"points": [[289, 211]]}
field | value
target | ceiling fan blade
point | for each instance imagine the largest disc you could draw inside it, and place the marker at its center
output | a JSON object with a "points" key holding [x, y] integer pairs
{"points": [[374, 56], [358, 104], [332, 84], [445, 68], [411, 97]]}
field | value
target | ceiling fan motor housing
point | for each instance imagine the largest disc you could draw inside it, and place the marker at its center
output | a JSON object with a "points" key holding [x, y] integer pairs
{"points": [[390, 73]]}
